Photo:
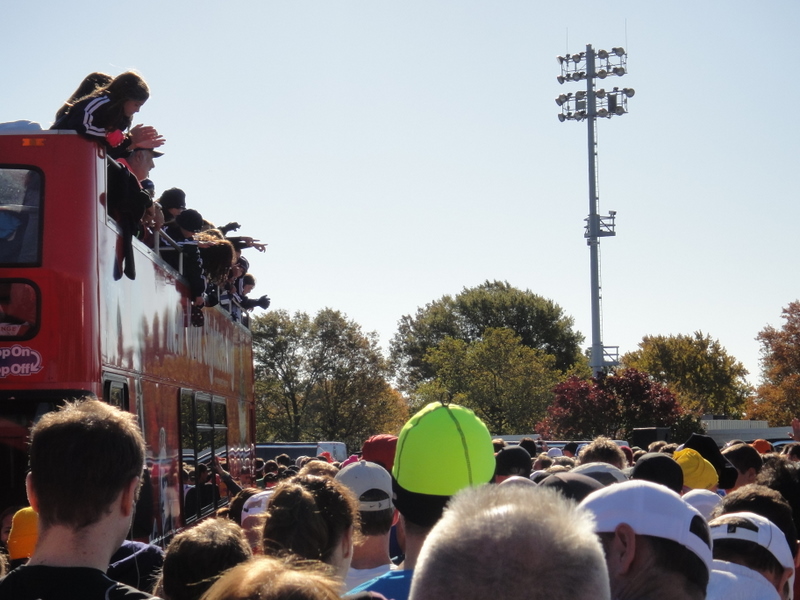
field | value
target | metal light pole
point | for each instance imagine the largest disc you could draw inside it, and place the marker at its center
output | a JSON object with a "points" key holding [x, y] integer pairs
{"points": [[588, 106]]}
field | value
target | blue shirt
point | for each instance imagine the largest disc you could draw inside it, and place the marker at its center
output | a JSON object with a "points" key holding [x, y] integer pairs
{"points": [[395, 585]]}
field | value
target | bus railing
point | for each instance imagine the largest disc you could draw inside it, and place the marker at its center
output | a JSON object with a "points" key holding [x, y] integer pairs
{"points": [[227, 301]]}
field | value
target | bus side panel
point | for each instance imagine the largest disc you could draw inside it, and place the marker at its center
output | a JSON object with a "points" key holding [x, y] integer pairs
{"points": [[162, 435]]}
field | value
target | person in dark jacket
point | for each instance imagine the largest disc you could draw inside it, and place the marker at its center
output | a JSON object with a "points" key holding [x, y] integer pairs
{"points": [[106, 113]]}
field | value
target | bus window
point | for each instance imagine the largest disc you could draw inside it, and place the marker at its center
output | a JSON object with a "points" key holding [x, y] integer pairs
{"points": [[204, 434], [116, 393], [20, 304], [20, 217]]}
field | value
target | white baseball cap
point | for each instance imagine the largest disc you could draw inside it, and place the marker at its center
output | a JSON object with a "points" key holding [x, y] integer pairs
{"points": [[649, 509], [704, 501], [754, 528], [363, 476], [256, 504]]}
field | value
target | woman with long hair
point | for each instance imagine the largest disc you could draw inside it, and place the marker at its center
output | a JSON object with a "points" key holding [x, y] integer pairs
{"points": [[314, 518], [106, 113]]}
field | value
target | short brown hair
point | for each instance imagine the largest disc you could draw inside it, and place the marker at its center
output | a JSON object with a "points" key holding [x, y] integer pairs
{"points": [[603, 449], [195, 558], [82, 457]]}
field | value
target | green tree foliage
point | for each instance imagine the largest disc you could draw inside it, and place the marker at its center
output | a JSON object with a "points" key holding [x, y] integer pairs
{"points": [[778, 397], [539, 323], [506, 383], [321, 378], [697, 368], [611, 405]]}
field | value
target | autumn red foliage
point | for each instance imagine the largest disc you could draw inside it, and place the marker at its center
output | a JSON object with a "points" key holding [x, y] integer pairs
{"points": [[611, 405]]}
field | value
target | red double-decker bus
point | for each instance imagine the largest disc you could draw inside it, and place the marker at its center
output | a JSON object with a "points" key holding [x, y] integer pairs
{"points": [[72, 324]]}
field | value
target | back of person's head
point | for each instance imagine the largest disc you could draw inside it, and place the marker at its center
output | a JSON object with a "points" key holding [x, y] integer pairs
{"points": [[752, 541], [543, 461], [659, 468], [516, 542], [656, 446], [564, 461], [530, 445], [91, 83], [173, 198], [127, 86], [82, 457], [318, 467], [698, 473], [195, 558], [675, 533], [308, 516], [513, 460], [371, 484], [218, 258], [791, 451], [761, 500], [572, 485], [442, 449], [498, 444], [248, 279], [603, 449], [762, 446], [781, 475], [284, 459], [380, 449], [744, 457], [668, 449], [268, 578], [236, 505], [124, 87]]}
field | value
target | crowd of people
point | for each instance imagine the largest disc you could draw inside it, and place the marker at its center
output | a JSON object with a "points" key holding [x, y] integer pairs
{"points": [[440, 511], [102, 110]]}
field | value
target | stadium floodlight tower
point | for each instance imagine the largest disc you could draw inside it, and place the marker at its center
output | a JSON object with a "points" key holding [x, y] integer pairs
{"points": [[589, 106]]}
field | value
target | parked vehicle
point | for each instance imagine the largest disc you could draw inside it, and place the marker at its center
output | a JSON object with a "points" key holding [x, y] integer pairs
{"points": [[297, 449]]}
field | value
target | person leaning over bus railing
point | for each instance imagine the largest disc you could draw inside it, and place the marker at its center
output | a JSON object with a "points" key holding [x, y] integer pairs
{"points": [[90, 83], [249, 282], [107, 112]]}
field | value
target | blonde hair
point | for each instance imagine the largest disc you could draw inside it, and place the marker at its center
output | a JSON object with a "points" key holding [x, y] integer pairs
{"points": [[268, 578]]}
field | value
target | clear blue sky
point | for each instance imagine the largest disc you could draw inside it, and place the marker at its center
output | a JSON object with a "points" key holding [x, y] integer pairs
{"points": [[394, 152]]}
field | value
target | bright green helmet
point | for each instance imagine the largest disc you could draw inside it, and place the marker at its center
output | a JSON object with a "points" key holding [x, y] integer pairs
{"points": [[443, 449]]}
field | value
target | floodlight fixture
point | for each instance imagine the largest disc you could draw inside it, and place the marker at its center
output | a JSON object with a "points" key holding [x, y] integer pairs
{"points": [[560, 60], [589, 105]]}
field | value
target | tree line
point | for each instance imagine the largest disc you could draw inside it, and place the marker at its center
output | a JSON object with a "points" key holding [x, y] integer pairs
{"points": [[514, 358]]}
